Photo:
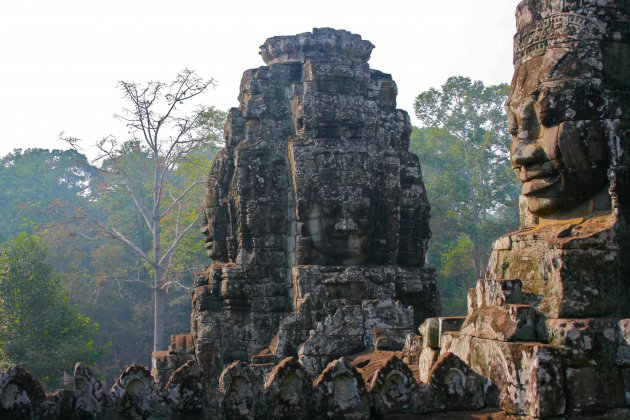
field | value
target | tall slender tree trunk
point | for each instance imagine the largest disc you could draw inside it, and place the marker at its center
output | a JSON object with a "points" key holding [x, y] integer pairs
{"points": [[159, 292], [478, 263], [158, 315]]}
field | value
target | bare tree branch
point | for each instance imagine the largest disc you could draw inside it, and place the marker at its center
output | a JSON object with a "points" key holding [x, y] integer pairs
{"points": [[114, 234], [175, 242], [165, 138], [175, 201]]}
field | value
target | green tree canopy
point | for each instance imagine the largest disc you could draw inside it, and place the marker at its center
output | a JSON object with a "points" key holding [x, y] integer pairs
{"points": [[39, 329], [39, 187], [464, 150]]}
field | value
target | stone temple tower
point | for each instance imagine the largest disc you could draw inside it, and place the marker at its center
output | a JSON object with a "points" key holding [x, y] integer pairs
{"points": [[316, 215]]}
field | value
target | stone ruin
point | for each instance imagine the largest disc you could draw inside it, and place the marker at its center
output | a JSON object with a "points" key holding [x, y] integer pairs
{"points": [[549, 324], [316, 216], [316, 220]]}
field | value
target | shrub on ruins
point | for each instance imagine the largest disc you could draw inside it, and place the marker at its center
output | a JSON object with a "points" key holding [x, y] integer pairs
{"points": [[464, 150], [40, 329]]}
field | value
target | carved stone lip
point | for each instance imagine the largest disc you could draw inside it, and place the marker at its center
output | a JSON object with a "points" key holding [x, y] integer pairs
{"points": [[338, 236], [344, 236], [531, 171], [538, 185]]}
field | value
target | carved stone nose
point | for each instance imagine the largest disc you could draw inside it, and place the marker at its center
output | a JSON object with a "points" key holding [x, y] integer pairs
{"points": [[529, 124], [526, 153], [346, 225]]}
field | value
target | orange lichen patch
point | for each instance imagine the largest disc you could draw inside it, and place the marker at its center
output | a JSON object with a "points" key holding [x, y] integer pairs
{"points": [[593, 225], [160, 355], [284, 363], [415, 370], [367, 364], [342, 366], [182, 342], [288, 363], [569, 229], [486, 414], [265, 352]]}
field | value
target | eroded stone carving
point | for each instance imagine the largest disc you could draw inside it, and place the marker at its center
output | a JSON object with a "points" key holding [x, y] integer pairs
{"points": [[185, 392], [570, 120], [89, 396], [242, 390], [135, 394], [540, 325], [315, 214], [340, 391], [568, 104], [390, 383], [21, 395], [288, 390]]}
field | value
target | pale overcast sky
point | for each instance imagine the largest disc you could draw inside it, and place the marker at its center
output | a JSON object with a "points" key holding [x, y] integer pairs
{"points": [[60, 60]]}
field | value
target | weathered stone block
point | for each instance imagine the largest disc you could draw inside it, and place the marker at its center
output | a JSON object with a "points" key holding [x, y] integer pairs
{"points": [[135, 393], [89, 396], [450, 323], [391, 385], [430, 333], [412, 348], [164, 363], [432, 329], [594, 388], [623, 351], [185, 392], [570, 279], [507, 323], [471, 300], [21, 395], [205, 299], [499, 292], [339, 392], [386, 323], [242, 389], [320, 349], [58, 405], [288, 391], [456, 386], [584, 342], [428, 357], [269, 304], [529, 376], [626, 385], [182, 344]]}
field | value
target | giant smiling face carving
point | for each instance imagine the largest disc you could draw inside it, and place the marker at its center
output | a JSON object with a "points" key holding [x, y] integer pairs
{"points": [[559, 143]]}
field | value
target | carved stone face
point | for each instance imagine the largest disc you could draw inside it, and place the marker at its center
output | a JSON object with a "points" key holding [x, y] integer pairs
{"points": [[339, 224], [215, 232], [414, 231], [216, 217], [559, 135]]}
